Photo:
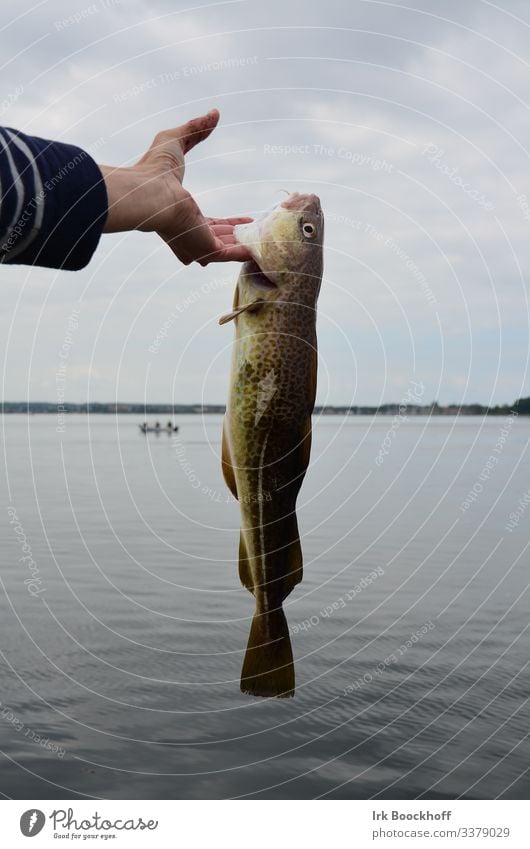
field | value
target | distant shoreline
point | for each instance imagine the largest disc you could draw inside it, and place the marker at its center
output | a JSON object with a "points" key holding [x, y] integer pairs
{"points": [[519, 407]]}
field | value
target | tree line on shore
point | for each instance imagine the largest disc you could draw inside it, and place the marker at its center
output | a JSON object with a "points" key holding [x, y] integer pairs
{"points": [[521, 406]]}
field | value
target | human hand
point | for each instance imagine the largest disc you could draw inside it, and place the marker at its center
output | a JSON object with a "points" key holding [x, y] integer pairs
{"points": [[149, 196]]}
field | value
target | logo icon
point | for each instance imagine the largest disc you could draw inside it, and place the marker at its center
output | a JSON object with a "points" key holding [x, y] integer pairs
{"points": [[31, 822]]}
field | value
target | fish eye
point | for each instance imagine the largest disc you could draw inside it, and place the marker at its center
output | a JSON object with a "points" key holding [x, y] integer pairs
{"points": [[309, 230]]}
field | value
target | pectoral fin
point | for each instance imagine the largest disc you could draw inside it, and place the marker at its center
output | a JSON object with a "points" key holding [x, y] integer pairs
{"points": [[304, 449], [253, 306], [226, 463]]}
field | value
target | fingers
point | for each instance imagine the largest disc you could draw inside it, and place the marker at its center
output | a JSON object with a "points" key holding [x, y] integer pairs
{"points": [[196, 130], [222, 229], [228, 240], [232, 253], [232, 221], [193, 238], [224, 250], [228, 250]]}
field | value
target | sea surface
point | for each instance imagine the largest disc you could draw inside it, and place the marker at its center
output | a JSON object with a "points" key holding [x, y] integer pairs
{"points": [[124, 624]]}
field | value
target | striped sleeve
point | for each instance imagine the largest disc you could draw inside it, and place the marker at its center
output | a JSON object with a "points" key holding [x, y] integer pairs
{"points": [[53, 202]]}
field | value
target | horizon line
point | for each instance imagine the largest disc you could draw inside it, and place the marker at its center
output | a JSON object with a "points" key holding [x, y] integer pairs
{"points": [[203, 404]]}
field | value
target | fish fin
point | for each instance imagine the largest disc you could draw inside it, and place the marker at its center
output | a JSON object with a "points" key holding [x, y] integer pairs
{"points": [[312, 380], [289, 524], [252, 306], [226, 464], [230, 316], [304, 447], [294, 572], [268, 668], [245, 575]]}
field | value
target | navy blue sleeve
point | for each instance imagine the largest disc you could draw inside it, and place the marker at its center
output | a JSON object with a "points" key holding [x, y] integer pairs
{"points": [[53, 202]]}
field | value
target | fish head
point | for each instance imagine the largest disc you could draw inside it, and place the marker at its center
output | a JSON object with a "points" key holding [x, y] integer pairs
{"points": [[286, 244]]}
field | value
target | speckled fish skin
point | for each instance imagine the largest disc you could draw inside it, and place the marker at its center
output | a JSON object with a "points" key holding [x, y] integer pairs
{"points": [[267, 428]]}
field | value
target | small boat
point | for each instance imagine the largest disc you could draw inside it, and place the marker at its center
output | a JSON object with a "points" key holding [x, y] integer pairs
{"points": [[169, 428]]}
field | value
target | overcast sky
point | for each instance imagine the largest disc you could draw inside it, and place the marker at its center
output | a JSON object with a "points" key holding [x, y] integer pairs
{"points": [[411, 124]]}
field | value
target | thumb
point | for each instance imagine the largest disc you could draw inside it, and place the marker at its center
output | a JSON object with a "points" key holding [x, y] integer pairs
{"points": [[196, 130]]}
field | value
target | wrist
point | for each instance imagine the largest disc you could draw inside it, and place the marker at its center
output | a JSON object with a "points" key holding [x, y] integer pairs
{"points": [[136, 199]]}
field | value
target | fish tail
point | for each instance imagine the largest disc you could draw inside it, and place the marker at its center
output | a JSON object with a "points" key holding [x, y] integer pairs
{"points": [[268, 668]]}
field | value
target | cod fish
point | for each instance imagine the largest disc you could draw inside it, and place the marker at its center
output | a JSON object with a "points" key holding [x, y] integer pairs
{"points": [[267, 426]]}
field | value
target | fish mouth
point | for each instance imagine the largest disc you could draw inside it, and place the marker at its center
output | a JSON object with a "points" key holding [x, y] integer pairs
{"points": [[250, 235], [258, 277]]}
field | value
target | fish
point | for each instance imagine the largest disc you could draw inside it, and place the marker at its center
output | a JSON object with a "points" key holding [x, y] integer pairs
{"points": [[266, 439]]}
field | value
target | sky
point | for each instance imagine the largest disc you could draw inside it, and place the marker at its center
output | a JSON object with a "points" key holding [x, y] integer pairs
{"points": [[409, 121]]}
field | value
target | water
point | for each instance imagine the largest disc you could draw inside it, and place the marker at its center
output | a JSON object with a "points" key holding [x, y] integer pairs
{"points": [[120, 662]]}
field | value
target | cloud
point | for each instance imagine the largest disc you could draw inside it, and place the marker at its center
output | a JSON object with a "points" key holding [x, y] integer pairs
{"points": [[406, 122]]}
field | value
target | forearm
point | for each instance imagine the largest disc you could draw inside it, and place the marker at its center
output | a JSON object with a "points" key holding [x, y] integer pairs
{"points": [[53, 204]]}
